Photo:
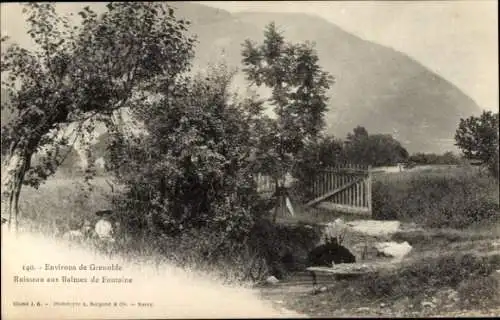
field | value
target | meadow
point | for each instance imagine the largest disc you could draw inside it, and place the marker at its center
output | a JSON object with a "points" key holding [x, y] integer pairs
{"points": [[456, 250], [437, 197]]}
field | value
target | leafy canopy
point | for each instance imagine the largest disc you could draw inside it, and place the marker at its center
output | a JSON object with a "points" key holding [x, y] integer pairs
{"points": [[79, 75], [299, 93], [477, 137], [194, 168]]}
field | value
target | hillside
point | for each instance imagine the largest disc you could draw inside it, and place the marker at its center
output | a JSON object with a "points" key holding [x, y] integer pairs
{"points": [[377, 87]]}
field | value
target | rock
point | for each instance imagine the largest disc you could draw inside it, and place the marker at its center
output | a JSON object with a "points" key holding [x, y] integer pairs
{"points": [[272, 280], [334, 229], [363, 309], [428, 304], [382, 305], [374, 227], [322, 289], [393, 249]]}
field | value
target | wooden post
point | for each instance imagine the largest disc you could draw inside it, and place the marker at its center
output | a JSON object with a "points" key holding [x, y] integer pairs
{"points": [[369, 180], [277, 200]]}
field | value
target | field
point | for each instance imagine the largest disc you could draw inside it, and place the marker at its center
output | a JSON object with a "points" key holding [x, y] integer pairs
{"points": [[451, 270]]}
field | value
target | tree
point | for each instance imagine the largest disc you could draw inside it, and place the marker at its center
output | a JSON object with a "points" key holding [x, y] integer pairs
{"points": [[432, 158], [79, 75], [326, 152], [193, 168], [375, 150], [477, 138], [298, 85]]}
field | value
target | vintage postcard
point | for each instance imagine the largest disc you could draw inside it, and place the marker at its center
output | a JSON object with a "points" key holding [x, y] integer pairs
{"points": [[249, 159]]}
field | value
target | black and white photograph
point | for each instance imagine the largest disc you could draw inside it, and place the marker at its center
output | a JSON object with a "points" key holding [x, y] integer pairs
{"points": [[249, 159]]}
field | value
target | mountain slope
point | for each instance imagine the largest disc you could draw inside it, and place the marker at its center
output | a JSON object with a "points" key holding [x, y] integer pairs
{"points": [[376, 87]]}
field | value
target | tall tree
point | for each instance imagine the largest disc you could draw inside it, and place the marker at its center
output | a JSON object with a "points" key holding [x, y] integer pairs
{"points": [[298, 93], [78, 75], [477, 137]]}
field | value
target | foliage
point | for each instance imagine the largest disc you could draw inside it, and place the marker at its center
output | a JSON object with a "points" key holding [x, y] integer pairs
{"points": [[82, 74], [477, 137], [194, 166], [448, 198], [376, 150], [299, 87], [325, 152], [428, 276], [70, 165], [420, 158]]}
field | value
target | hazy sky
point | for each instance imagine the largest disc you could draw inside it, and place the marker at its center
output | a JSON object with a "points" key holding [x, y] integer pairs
{"points": [[456, 39]]}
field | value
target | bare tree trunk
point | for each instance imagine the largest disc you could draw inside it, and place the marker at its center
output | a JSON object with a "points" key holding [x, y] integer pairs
{"points": [[13, 170]]}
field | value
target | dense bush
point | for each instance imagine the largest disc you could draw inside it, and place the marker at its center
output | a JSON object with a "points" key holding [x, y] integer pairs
{"points": [[437, 199]]}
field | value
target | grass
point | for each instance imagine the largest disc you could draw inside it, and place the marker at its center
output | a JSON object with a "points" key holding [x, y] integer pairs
{"points": [[427, 276], [61, 200], [437, 285], [455, 197], [453, 204]]}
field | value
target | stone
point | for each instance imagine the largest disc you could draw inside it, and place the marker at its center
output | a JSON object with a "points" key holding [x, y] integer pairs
{"points": [[334, 229], [393, 249], [374, 228], [272, 280], [428, 304]]}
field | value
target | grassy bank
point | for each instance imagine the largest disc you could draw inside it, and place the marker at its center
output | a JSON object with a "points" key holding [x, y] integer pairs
{"points": [[455, 197], [442, 200], [434, 286]]}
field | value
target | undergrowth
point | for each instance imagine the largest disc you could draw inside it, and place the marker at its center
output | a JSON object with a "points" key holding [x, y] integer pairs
{"points": [[468, 274], [455, 198]]}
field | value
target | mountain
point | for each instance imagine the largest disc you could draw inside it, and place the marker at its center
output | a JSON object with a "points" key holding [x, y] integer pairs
{"points": [[376, 87]]}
